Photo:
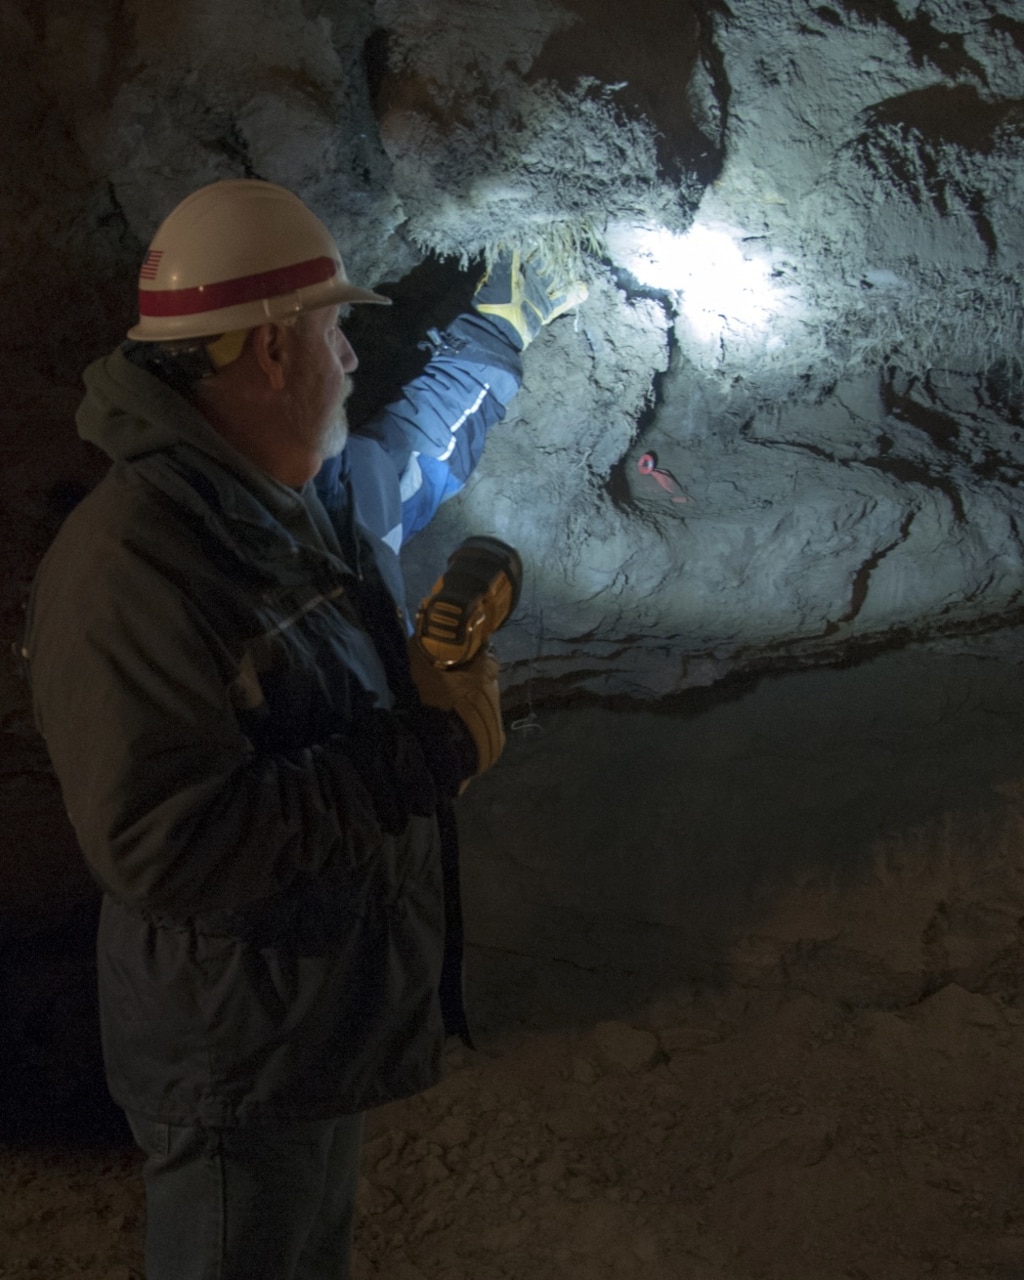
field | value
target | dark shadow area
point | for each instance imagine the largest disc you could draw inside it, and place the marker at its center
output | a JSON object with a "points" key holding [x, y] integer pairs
{"points": [[618, 855], [391, 342], [52, 1084], [648, 52]]}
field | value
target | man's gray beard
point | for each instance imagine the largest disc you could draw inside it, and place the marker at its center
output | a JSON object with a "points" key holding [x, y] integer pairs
{"points": [[336, 435]]}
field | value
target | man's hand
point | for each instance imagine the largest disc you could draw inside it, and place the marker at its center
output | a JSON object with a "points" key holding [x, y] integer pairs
{"points": [[471, 692]]}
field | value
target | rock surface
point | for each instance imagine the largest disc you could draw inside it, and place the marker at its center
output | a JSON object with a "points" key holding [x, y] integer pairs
{"points": [[799, 224]]}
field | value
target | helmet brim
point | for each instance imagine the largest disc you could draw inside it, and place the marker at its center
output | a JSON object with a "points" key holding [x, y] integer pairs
{"points": [[353, 293], [249, 316]]}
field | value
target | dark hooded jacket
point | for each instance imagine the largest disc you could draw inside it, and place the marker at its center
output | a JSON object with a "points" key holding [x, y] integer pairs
{"points": [[220, 676]]}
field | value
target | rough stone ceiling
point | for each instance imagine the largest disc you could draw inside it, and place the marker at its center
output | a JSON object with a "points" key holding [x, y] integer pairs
{"points": [[800, 228]]}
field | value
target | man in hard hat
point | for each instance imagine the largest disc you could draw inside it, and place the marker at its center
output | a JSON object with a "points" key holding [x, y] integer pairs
{"points": [[219, 667]]}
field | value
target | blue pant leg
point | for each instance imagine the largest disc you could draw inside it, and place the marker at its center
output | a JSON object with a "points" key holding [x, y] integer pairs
{"points": [[252, 1203]]}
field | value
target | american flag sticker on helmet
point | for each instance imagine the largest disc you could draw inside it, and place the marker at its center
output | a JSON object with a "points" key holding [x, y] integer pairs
{"points": [[151, 264]]}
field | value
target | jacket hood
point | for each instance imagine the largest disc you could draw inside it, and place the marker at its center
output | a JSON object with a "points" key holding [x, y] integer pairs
{"points": [[128, 413]]}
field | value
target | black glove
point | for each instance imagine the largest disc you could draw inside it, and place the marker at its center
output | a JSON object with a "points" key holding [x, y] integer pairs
{"points": [[392, 765]]}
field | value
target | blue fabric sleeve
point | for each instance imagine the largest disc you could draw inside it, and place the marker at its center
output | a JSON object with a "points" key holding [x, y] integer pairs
{"points": [[420, 449], [368, 471]]}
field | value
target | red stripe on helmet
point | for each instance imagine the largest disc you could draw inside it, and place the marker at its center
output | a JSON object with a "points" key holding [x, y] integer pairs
{"points": [[202, 298]]}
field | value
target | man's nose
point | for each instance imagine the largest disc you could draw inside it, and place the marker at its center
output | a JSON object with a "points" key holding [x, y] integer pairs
{"points": [[347, 354]]}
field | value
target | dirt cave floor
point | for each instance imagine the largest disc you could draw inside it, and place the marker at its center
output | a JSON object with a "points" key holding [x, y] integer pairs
{"points": [[747, 987]]}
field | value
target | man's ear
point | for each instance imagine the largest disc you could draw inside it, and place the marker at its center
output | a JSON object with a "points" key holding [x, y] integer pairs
{"points": [[270, 347]]}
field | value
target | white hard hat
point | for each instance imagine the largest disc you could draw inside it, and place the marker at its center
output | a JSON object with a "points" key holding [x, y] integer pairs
{"points": [[236, 254]]}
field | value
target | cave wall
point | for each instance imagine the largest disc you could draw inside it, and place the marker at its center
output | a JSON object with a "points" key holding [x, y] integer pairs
{"points": [[838, 412], [840, 404]]}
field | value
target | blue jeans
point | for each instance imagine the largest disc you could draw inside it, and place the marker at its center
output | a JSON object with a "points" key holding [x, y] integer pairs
{"points": [[253, 1203]]}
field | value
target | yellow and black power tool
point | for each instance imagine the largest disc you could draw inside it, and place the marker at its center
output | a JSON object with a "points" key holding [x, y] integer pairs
{"points": [[472, 598]]}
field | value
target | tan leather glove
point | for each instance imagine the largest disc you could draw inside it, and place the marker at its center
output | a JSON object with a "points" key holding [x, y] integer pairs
{"points": [[471, 692]]}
